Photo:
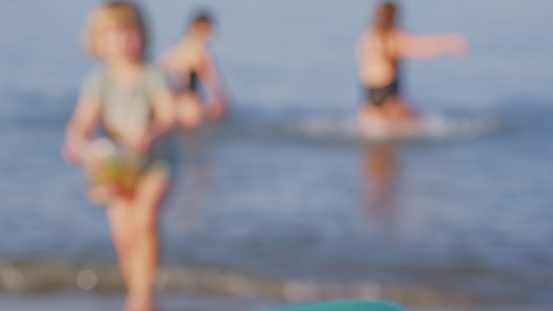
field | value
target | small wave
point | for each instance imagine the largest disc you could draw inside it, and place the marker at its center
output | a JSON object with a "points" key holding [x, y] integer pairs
{"points": [[430, 128], [437, 127], [46, 277], [321, 127]]}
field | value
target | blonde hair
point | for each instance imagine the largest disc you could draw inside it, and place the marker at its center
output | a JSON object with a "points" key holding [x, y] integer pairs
{"points": [[114, 15]]}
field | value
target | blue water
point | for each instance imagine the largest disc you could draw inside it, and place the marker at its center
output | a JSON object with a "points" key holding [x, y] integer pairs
{"points": [[469, 214]]}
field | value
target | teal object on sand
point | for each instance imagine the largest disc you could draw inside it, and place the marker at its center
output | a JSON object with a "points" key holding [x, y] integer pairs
{"points": [[345, 305]]}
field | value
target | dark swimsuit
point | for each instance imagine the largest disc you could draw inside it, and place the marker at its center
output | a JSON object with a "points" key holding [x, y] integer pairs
{"points": [[378, 96], [193, 82], [192, 86]]}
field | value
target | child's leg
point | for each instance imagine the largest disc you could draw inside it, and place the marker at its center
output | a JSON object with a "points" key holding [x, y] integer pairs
{"points": [[149, 194], [119, 214]]}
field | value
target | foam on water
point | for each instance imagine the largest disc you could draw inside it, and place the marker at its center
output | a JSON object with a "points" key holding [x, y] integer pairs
{"points": [[432, 127], [44, 277]]}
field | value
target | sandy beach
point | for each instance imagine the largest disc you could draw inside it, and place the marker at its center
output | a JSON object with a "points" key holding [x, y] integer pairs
{"points": [[110, 302]]}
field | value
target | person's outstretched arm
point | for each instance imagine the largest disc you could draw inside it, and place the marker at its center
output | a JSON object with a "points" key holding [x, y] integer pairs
{"points": [[412, 46]]}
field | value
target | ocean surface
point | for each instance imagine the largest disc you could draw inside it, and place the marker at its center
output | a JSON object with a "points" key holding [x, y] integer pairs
{"points": [[283, 197]]}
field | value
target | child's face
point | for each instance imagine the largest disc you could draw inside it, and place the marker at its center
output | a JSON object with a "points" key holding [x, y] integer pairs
{"points": [[121, 44]]}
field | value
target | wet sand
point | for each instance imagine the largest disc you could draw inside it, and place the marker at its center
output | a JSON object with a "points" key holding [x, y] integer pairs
{"points": [[110, 302]]}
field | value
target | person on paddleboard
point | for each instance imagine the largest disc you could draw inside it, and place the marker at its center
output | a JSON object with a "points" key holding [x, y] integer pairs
{"points": [[380, 51]]}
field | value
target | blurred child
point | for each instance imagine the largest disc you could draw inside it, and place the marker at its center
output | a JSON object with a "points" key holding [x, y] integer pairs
{"points": [[190, 62], [380, 51], [133, 104]]}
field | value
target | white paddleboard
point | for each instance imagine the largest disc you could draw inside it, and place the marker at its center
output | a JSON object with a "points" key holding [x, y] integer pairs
{"points": [[428, 128]]}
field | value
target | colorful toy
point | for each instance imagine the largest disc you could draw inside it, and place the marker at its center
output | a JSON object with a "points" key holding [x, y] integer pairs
{"points": [[111, 170]]}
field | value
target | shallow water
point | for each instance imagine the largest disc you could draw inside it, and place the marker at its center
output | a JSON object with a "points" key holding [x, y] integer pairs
{"points": [[470, 214]]}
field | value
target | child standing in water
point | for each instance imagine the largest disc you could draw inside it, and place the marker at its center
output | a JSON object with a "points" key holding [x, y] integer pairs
{"points": [[133, 104], [380, 51], [190, 62]]}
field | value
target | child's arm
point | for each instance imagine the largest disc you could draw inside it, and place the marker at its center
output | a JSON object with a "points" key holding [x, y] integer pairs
{"points": [[211, 76], [167, 59], [80, 127], [163, 104]]}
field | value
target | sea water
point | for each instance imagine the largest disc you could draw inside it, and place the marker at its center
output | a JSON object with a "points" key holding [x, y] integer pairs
{"points": [[260, 199]]}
